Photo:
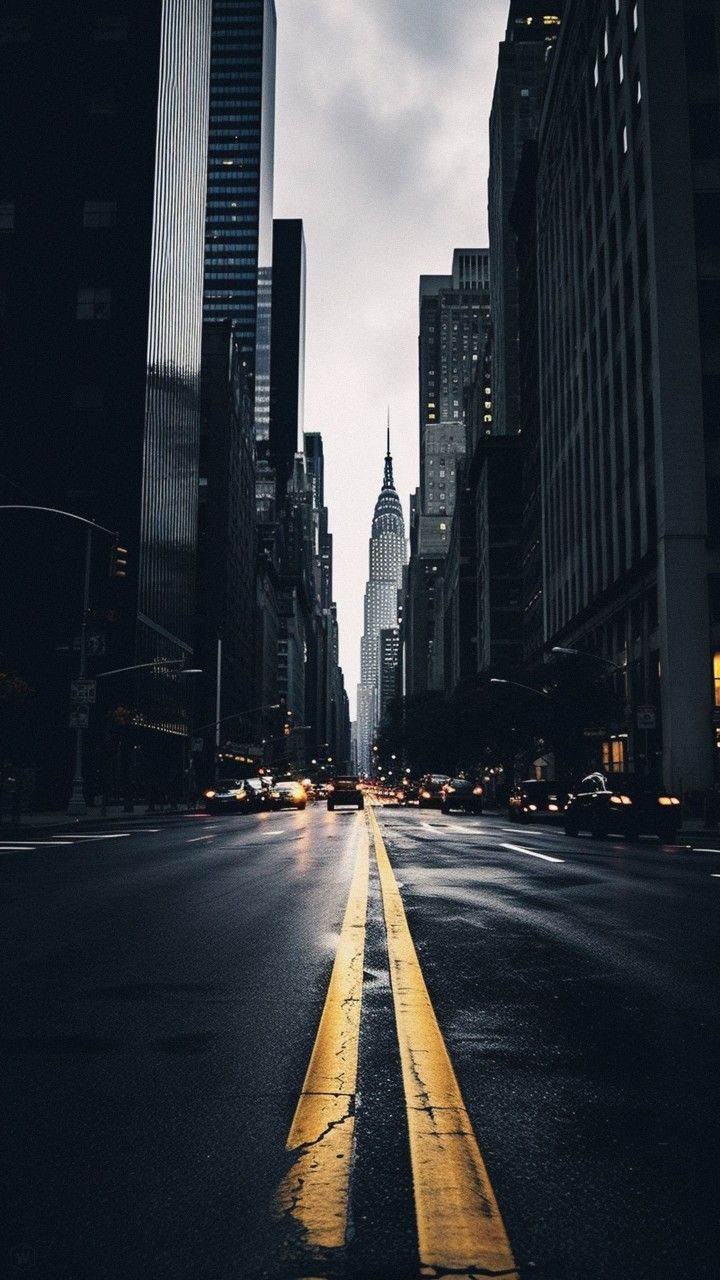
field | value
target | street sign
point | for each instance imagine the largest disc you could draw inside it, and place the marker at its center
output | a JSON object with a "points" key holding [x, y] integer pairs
{"points": [[646, 717], [80, 717], [83, 691]]}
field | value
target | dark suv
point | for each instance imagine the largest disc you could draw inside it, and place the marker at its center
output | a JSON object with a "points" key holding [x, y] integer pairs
{"points": [[345, 791], [463, 794], [430, 793], [535, 801], [622, 804]]}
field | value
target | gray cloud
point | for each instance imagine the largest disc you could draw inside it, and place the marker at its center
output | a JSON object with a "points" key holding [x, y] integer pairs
{"points": [[382, 119]]}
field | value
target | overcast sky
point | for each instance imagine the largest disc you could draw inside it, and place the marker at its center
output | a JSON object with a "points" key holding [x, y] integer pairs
{"points": [[382, 150]]}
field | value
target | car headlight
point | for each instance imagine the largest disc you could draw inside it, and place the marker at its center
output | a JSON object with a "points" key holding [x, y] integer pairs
{"points": [[620, 800], [209, 794], [667, 800], [532, 808], [552, 808], [477, 791]]}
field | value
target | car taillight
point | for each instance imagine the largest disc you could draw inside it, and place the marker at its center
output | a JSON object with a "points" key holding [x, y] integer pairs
{"points": [[425, 795], [620, 800], [477, 791], [330, 786], [667, 800]]}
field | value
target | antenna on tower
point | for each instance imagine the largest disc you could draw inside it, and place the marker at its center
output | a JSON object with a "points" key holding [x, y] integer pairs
{"points": [[388, 482]]}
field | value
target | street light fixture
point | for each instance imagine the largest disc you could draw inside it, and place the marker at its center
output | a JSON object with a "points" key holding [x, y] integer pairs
{"points": [[582, 653], [515, 684]]}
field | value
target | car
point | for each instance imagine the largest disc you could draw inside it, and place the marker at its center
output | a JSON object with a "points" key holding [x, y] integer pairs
{"points": [[263, 793], [430, 793], [462, 793], [230, 795], [290, 795], [536, 801], [624, 805], [345, 790]]}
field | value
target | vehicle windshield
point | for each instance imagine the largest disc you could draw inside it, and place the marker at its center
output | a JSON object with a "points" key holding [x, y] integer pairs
{"points": [[461, 784]]}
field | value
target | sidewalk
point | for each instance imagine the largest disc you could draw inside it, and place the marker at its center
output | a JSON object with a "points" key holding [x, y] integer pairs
{"points": [[114, 814]]}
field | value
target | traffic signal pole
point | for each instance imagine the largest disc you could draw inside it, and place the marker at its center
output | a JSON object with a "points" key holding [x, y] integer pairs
{"points": [[77, 803]]}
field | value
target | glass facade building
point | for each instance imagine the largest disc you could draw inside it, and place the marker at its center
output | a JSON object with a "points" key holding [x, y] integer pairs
{"points": [[101, 302], [239, 231]]}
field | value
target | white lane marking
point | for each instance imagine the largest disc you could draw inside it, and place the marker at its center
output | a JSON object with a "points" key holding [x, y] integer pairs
{"points": [[518, 848], [697, 850], [714, 874], [116, 835], [197, 838], [32, 844], [16, 848]]}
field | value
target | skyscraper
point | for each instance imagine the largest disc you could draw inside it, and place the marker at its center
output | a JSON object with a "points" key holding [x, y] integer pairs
{"points": [[287, 349], [628, 252], [454, 324], [238, 231], [387, 557], [101, 285], [532, 30]]}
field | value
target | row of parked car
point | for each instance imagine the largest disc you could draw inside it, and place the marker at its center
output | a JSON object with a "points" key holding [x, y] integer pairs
{"points": [[614, 804], [621, 804]]}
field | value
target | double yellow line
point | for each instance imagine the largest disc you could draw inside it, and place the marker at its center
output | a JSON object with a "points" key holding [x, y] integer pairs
{"points": [[459, 1226]]}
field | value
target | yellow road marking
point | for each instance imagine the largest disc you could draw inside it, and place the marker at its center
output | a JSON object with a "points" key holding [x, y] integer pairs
{"points": [[458, 1220], [315, 1190]]}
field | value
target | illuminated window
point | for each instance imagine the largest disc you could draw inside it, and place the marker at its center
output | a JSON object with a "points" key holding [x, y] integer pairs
{"points": [[613, 755], [716, 676], [552, 20]]}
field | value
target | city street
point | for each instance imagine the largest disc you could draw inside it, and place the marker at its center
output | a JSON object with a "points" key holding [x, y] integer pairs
{"points": [[188, 1091]]}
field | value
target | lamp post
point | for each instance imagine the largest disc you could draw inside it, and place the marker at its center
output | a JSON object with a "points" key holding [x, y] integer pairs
{"points": [[569, 652], [160, 664], [76, 805], [237, 715]]}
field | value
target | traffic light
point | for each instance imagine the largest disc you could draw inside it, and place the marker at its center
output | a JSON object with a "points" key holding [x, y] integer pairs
{"points": [[118, 561]]}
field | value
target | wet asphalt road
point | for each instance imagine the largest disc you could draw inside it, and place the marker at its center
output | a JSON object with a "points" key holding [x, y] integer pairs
{"points": [[161, 995]]}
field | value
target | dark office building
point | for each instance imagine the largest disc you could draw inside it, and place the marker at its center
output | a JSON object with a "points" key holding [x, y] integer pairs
{"points": [[523, 61], [287, 348], [238, 232], [227, 541], [629, 300], [102, 199], [523, 220]]}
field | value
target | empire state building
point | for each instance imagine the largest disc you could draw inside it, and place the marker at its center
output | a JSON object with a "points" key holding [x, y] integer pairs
{"points": [[388, 554]]}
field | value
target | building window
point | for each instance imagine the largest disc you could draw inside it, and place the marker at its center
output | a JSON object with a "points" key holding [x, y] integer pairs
{"points": [[86, 398], [14, 29], [716, 678], [613, 755], [7, 216], [93, 304], [100, 213], [110, 27]]}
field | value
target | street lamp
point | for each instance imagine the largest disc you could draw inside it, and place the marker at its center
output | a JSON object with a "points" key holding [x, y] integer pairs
{"points": [[515, 684], [582, 653], [76, 805]]}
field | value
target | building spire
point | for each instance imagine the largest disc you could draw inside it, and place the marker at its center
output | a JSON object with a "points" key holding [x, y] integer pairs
{"points": [[388, 482]]}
